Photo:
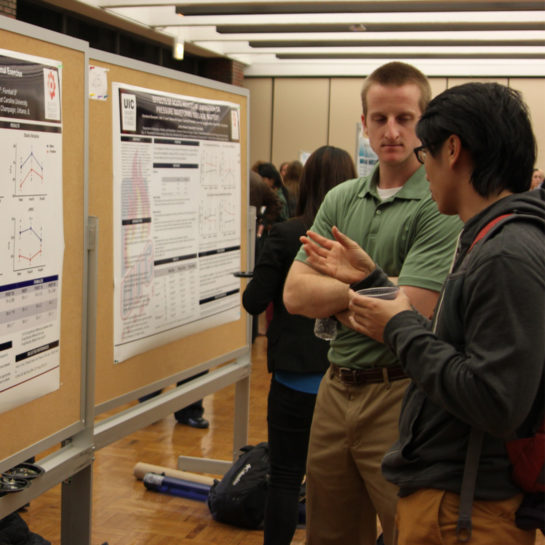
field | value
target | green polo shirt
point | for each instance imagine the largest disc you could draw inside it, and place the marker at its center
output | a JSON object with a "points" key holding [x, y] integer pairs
{"points": [[404, 234]]}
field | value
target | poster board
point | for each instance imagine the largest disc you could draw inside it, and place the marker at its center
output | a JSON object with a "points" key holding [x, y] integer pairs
{"points": [[117, 380], [50, 418]]}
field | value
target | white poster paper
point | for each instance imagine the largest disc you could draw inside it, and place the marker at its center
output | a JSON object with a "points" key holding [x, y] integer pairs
{"points": [[31, 227], [177, 216], [366, 158], [98, 82]]}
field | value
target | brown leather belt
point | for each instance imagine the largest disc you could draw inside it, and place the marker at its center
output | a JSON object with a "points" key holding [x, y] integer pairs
{"points": [[367, 376]]}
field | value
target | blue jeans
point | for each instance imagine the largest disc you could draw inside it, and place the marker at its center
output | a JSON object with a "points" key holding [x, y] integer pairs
{"points": [[289, 416]]}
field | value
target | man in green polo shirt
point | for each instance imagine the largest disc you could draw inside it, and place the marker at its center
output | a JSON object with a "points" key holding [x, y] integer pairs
{"points": [[392, 216]]}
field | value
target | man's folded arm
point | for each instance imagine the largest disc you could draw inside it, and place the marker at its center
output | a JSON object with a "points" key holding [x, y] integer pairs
{"points": [[310, 293]]}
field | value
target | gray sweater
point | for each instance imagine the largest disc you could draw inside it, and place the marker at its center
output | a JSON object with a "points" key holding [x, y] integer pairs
{"points": [[484, 365]]}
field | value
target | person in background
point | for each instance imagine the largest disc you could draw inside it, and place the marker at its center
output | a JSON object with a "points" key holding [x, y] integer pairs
{"points": [[538, 178], [283, 169], [479, 367], [272, 178], [267, 207], [296, 358], [191, 415], [291, 180], [257, 164], [266, 203], [391, 214]]}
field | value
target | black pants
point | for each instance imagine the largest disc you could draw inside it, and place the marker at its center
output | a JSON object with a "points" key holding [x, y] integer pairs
{"points": [[195, 409], [191, 411], [289, 415]]}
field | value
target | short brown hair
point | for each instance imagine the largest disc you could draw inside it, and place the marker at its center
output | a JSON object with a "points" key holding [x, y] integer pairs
{"points": [[397, 74]]}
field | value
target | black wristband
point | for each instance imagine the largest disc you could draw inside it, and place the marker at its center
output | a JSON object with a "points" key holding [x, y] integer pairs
{"points": [[377, 278]]}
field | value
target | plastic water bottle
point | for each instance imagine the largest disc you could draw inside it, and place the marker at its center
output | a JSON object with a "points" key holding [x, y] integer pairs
{"points": [[325, 328]]}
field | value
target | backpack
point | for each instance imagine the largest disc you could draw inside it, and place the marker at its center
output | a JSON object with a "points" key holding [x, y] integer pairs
{"points": [[239, 498], [526, 454]]}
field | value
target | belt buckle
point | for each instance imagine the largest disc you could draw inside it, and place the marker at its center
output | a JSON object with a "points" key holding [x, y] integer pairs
{"points": [[347, 375]]}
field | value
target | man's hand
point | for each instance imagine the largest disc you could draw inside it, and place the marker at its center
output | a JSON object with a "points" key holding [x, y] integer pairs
{"points": [[369, 315], [341, 258]]}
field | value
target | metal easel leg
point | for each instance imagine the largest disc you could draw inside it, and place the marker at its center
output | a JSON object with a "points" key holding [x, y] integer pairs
{"points": [[76, 508]]}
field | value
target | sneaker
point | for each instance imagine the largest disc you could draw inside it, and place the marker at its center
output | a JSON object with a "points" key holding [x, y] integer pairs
{"points": [[194, 422]]}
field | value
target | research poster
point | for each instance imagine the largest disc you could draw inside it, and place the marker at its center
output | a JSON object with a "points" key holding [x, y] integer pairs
{"points": [[31, 227], [177, 239], [366, 158]]}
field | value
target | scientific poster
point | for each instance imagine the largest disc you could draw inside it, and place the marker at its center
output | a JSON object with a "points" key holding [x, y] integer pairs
{"points": [[176, 216], [366, 158], [31, 227]]}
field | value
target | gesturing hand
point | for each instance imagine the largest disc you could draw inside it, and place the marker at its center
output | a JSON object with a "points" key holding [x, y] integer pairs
{"points": [[341, 258]]}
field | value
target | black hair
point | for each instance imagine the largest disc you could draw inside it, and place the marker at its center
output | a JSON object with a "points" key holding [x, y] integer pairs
{"points": [[268, 170], [493, 124], [325, 168]]}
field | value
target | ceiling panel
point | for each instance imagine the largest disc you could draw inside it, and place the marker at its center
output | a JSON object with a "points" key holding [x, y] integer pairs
{"points": [[304, 38]]}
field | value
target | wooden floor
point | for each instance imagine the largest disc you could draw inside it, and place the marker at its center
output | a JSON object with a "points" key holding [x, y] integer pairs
{"points": [[125, 513]]}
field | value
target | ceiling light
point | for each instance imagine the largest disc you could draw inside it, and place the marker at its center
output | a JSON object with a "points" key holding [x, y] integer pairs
{"points": [[178, 46]]}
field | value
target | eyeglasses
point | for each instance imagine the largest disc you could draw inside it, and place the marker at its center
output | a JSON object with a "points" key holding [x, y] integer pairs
{"points": [[421, 152]]}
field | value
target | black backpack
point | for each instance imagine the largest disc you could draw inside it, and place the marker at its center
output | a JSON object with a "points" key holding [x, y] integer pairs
{"points": [[239, 498]]}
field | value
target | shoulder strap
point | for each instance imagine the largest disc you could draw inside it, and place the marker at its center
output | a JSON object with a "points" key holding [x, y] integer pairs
{"points": [[494, 225], [473, 453], [487, 228], [471, 466]]}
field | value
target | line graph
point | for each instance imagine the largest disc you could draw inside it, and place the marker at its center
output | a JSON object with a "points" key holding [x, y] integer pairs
{"points": [[28, 168], [32, 165], [27, 243], [217, 218], [219, 169]]}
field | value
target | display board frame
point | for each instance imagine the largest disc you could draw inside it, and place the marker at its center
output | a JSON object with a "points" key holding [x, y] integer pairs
{"points": [[59, 424], [222, 350], [120, 383]]}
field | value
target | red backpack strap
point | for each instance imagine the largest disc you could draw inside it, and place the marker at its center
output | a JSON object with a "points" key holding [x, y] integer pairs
{"points": [[482, 233]]}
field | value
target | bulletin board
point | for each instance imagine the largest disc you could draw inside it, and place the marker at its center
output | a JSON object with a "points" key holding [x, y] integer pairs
{"points": [[50, 418], [117, 380]]}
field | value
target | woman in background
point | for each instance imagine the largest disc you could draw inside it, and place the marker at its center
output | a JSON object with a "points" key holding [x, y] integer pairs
{"points": [[273, 179], [296, 358], [282, 169], [291, 180]]}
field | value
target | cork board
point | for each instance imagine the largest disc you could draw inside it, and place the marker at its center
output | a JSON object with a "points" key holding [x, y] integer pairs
{"points": [[59, 413], [115, 380]]}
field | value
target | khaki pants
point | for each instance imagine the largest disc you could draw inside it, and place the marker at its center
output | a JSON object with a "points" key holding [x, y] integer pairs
{"points": [[429, 517], [352, 428]]}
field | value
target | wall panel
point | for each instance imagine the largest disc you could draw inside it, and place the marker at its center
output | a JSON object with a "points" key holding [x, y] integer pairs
{"points": [[533, 93], [307, 113], [300, 117], [438, 85], [345, 112], [451, 82], [260, 118]]}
